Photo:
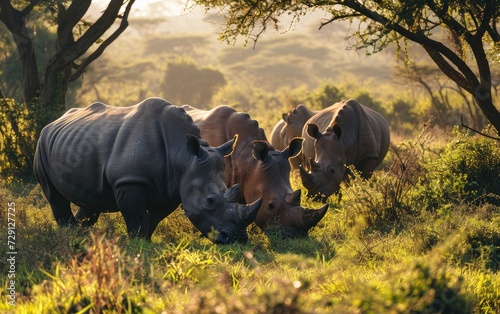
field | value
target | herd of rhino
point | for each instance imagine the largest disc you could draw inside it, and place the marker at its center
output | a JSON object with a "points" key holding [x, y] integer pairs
{"points": [[146, 160]]}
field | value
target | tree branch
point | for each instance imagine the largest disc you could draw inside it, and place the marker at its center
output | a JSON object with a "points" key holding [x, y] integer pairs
{"points": [[437, 50], [98, 52], [27, 10], [476, 131]]}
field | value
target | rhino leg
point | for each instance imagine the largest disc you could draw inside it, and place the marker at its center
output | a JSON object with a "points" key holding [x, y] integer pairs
{"points": [[131, 201], [155, 217], [366, 167], [86, 217], [60, 207]]}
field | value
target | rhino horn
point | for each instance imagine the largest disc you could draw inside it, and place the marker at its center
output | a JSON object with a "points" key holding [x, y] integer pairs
{"points": [[249, 212], [311, 217], [307, 178], [314, 164], [294, 197]]}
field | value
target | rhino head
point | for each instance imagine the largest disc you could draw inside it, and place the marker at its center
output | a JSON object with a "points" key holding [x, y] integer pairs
{"points": [[207, 201], [328, 168], [270, 179]]}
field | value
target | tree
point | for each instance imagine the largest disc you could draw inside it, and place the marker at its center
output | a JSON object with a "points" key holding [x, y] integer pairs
{"points": [[45, 79], [469, 27], [186, 83], [44, 91]]}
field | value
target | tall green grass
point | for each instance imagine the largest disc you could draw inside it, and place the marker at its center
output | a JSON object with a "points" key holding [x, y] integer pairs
{"points": [[413, 239]]}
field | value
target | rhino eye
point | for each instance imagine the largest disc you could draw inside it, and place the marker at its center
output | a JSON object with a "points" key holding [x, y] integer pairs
{"points": [[331, 170], [212, 202]]}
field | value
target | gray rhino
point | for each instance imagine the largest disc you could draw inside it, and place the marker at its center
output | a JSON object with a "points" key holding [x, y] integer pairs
{"points": [[143, 161], [260, 170], [346, 133], [290, 127]]}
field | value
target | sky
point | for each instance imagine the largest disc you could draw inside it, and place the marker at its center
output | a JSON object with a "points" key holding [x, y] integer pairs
{"points": [[149, 7]]}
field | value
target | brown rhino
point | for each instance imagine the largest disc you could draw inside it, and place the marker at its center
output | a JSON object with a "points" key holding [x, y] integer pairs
{"points": [[289, 127], [143, 161], [260, 170], [346, 133]]}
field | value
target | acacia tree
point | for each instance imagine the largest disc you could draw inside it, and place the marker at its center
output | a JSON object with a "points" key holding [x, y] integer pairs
{"points": [[469, 33], [77, 44]]}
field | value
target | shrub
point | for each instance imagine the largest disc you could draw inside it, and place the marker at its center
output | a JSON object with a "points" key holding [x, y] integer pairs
{"points": [[98, 280], [468, 170], [17, 141]]}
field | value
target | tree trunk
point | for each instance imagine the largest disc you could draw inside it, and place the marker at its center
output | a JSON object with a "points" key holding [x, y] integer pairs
{"points": [[485, 102], [14, 21]]}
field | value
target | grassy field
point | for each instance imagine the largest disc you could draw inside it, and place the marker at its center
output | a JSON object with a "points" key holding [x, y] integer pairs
{"points": [[422, 236]]}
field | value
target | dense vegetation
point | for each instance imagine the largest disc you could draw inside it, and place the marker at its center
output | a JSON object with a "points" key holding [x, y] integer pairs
{"points": [[422, 236]]}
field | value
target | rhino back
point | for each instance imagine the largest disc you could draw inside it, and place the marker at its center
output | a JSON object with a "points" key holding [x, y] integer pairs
{"points": [[88, 152], [221, 123], [278, 136]]}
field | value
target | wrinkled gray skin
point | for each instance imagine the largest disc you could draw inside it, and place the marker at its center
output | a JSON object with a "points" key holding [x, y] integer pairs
{"points": [[143, 161], [290, 127], [260, 170], [346, 133]]}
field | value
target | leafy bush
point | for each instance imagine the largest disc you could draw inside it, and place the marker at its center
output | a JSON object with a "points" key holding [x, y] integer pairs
{"points": [[467, 170], [17, 141]]}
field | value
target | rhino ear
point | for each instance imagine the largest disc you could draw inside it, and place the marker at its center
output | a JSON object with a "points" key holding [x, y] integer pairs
{"points": [[227, 148], [193, 146], [294, 197], [313, 131], [294, 148], [338, 129], [232, 194], [260, 150], [285, 118]]}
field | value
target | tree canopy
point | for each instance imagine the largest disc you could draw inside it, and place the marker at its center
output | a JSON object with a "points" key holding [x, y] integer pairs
{"points": [[461, 37]]}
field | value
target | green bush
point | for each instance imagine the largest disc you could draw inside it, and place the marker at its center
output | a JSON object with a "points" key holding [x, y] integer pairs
{"points": [[467, 170], [17, 141]]}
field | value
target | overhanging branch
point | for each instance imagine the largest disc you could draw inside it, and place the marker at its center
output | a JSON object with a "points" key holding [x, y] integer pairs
{"points": [[98, 52]]}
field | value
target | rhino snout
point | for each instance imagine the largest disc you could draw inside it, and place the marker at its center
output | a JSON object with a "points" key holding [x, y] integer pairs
{"points": [[227, 237]]}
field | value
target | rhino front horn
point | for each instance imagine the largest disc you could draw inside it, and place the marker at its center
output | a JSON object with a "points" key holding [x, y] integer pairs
{"points": [[311, 217], [250, 211]]}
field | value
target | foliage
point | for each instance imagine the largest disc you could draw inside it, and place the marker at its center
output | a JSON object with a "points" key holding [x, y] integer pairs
{"points": [[17, 141], [468, 169]]}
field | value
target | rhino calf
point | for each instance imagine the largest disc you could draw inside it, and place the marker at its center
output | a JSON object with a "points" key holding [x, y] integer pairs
{"points": [[346, 133], [143, 161]]}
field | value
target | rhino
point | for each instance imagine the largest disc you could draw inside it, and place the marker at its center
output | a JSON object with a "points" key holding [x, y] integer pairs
{"points": [[289, 127], [261, 170], [143, 161], [346, 133]]}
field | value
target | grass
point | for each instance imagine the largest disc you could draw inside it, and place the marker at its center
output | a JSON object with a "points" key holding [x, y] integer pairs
{"points": [[376, 251]]}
